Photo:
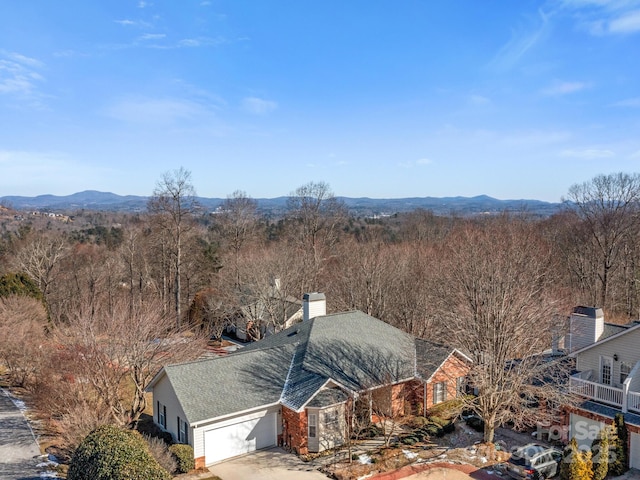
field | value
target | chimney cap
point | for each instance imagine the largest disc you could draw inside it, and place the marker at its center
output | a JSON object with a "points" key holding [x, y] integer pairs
{"points": [[310, 297]]}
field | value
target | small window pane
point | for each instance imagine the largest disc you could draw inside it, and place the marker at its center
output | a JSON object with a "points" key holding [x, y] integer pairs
{"points": [[625, 370]]}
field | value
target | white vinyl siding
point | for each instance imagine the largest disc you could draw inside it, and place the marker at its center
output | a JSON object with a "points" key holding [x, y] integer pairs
{"points": [[171, 409], [624, 347], [325, 427]]}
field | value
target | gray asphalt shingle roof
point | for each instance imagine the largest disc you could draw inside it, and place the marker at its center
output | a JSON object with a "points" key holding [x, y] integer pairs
{"points": [[352, 349], [221, 386]]}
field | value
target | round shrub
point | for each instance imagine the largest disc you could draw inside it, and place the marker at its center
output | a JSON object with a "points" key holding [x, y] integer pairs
{"points": [[111, 453], [184, 457]]}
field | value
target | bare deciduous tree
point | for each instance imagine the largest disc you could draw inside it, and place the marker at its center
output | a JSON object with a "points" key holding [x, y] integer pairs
{"points": [[499, 299], [173, 205], [40, 257], [315, 215], [609, 207], [122, 349], [237, 223]]}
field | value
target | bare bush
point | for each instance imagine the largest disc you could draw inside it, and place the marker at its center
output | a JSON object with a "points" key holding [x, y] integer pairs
{"points": [[160, 451], [23, 320]]}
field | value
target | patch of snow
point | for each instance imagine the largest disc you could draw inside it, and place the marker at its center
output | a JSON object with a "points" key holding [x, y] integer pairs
{"points": [[483, 459], [364, 459], [409, 454], [368, 475], [20, 404], [48, 474], [444, 455]]}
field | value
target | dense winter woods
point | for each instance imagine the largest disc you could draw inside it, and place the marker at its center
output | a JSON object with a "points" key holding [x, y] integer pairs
{"points": [[136, 290]]}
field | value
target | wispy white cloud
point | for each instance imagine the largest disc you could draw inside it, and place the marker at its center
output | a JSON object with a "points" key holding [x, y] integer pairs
{"points": [[564, 88], [628, 102], [156, 111], [20, 79], [152, 36], [523, 38], [587, 153], [605, 17], [143, 4], [627, 23], [258, 106]]}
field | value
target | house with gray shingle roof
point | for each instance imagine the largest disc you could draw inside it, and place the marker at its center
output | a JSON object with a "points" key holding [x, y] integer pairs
{"points": [[298, 388]]}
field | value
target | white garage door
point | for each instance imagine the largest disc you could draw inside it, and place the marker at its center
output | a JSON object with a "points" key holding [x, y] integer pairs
{"points": [[634, 450], [584, 430], [239, 438]]}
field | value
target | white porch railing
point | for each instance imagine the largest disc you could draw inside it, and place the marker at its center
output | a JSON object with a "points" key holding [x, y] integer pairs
{"points": [[598, 391], [617, 397], [633, 401]]}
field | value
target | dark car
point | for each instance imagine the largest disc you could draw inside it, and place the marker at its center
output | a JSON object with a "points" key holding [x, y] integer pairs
{"points": [[534, 461]]}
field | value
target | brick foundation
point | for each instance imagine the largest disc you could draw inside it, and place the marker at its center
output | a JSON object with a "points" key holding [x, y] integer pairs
{"points": [[200, 463]]}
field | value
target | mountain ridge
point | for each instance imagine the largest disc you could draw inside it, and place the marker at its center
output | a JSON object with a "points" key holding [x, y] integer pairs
{"points": [[108, 201]]}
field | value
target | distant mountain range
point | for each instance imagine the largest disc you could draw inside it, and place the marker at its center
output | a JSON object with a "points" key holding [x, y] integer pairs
{"points": [[364, 206]]}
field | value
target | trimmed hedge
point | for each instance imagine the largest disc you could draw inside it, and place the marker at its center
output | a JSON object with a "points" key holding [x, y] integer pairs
{"points": [[184, 457], [112, 453]]}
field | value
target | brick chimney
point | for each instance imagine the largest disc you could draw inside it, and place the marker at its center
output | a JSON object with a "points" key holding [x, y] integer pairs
{"points": [[313, 305]]}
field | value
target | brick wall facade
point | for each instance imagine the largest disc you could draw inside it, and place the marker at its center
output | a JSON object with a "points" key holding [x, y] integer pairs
{"points": [[200, 463], [294, 430], [449, 372]]}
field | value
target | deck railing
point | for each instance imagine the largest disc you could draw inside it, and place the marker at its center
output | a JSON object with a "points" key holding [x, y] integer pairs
{"points": [[598, 391], [629, 401]]}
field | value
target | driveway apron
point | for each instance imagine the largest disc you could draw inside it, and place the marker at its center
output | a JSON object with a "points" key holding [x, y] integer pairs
{"points": [[18, 447], [273, 464]]}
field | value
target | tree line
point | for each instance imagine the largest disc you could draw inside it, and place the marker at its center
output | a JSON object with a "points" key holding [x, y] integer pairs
{"points": [[117, 298]]}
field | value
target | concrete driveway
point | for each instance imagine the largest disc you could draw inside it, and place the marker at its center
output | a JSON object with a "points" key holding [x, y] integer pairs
{"points": [[272, 464]]}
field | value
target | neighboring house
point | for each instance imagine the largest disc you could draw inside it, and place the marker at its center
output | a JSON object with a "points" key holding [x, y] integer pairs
{"points": [[300, 387], [265, 314], [608, 378]]}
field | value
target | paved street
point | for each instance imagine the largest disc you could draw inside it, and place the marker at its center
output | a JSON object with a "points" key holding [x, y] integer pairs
{"points": [[18, 447]]}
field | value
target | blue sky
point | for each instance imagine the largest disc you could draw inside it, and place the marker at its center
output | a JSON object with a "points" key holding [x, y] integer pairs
{"points": [[513, 99]]}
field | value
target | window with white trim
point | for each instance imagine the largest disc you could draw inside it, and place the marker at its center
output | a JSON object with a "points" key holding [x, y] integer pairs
{"points": [[183, 429], [312, 425], [461, 386], [162, 415], [625, 370], [439, 392]]}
